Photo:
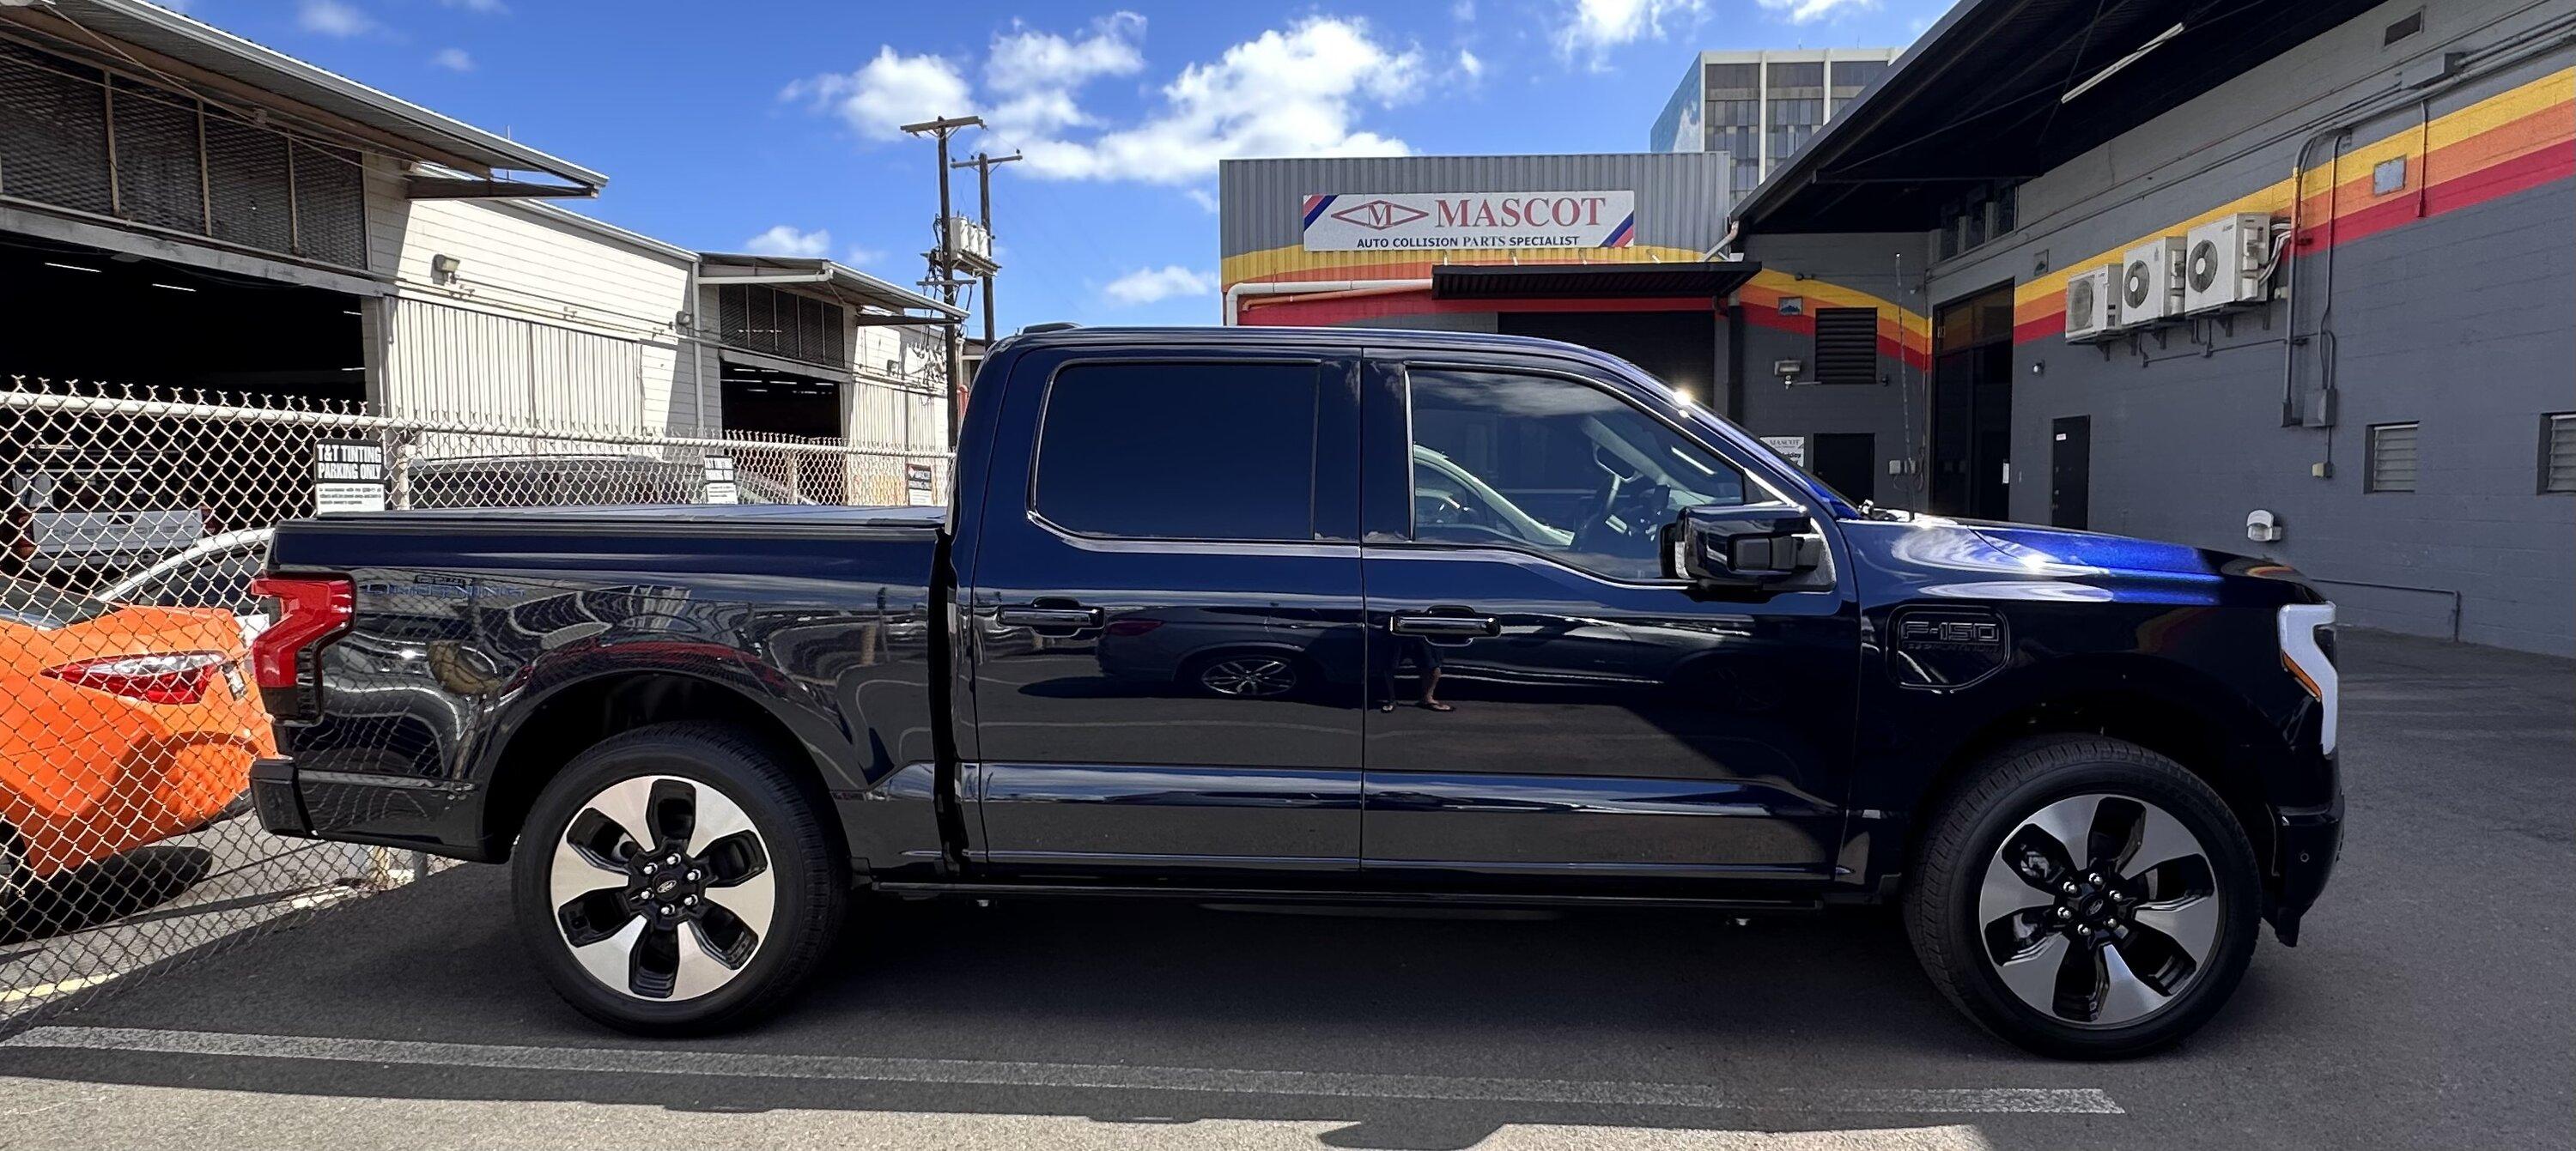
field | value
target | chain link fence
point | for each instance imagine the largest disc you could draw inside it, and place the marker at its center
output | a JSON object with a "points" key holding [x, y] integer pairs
{"points": [[135, 521]]}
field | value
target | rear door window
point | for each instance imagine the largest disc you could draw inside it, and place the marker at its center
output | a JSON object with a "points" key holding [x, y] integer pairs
{"points": [[1207, 451]]}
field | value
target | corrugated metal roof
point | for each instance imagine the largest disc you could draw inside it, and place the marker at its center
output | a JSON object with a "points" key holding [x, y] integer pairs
{"points": [[713, 267], [104, 27]]}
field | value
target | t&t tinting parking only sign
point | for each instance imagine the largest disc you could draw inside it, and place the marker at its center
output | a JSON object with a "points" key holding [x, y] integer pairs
{"points": [[348, 476]]}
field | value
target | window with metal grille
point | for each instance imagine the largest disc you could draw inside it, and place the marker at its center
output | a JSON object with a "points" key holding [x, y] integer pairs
{"points": [[758, 318], [79, 138], [2558, 453], [2392, 458], [53, 132], [1847, 345]]}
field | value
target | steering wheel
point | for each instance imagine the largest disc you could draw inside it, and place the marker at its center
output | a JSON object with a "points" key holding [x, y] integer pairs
{"points": [[1631, 512]]}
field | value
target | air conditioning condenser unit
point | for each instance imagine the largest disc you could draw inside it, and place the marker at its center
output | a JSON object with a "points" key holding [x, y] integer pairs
{"points": [[2092, 308], [2224, 262], [2151, 282]]}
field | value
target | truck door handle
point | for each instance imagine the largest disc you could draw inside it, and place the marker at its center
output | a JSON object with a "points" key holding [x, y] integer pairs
{"points": [[1445, 625], [1030, 615]]}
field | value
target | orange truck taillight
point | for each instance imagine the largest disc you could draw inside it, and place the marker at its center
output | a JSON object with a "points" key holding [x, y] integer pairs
{"points": [[309, 609]]}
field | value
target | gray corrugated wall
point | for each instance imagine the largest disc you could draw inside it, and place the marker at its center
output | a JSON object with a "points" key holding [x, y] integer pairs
{"points": [[2465, 321], [1681, 197]]}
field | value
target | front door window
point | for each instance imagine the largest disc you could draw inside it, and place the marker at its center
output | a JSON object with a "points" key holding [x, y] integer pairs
{"points": [[1553, 466]]}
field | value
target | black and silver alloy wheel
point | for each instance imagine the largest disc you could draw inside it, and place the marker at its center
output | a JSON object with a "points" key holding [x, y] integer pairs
{"points": [[662, 888], [1250, 676], [2083, 896], [2099, 909], [680, 878]]}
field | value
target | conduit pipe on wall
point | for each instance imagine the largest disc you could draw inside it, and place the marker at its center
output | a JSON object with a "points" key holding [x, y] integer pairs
{"points": [[1237, 296], [2473, 64]]}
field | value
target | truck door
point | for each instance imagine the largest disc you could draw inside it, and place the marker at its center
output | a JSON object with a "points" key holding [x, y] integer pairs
{"points": [[1545, 704], [1165, 606]]}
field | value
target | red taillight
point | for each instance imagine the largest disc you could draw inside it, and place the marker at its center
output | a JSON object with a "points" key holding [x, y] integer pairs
{"points": [[178, 677], [1132, 626], [308, 608]]}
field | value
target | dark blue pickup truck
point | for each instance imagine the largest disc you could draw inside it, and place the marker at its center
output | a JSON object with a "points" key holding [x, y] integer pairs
{"points": [[1336, 616]]}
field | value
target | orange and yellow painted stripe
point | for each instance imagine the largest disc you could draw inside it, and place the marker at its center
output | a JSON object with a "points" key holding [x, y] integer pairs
{"points": [[1293, 263], [1903, 334], [2517, 139]]}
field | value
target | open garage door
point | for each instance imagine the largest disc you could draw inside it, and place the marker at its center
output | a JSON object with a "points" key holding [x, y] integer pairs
{"points": [[80, 313]]}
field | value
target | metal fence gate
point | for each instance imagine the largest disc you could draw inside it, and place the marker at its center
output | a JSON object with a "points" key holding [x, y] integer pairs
{"points": [[134, 522]]}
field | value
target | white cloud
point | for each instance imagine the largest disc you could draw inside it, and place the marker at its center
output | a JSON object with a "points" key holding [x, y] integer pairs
{"points": [[452, 59], [888, 92], [1034, 75], [785, 240], [1205, 199], [1297, 91], [1810, 11], [486, 7], [333, 18], [1152, 285], [1292, 92], [858, 257], [1469, 65], [1591, 27], [1462, 11]]}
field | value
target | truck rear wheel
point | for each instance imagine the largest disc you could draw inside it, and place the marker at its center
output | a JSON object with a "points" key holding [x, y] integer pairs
{"points": [[675, 880], [2084, 898]]}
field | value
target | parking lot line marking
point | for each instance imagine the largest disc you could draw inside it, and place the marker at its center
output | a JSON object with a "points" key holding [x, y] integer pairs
{"points": [[701, 1062], [61, 987]]}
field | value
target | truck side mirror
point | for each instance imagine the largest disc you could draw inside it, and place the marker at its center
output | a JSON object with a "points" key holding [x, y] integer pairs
{"points": [[1741, 546]]}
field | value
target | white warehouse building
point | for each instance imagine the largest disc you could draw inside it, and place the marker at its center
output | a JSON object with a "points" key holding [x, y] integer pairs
{"points": [[185, 210]]}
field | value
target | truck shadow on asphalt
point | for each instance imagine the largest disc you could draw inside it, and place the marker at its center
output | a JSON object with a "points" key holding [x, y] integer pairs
{"points": [[1762, 1011]]}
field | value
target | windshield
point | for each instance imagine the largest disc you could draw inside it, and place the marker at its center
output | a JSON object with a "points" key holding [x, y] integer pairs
{"points": [[1841, 506]]}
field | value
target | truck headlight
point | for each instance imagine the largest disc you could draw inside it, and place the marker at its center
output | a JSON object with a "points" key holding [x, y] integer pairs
{"points": [[2307, 650]]}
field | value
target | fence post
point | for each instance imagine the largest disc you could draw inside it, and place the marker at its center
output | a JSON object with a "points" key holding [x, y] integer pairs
{"points": [[399, 446]]}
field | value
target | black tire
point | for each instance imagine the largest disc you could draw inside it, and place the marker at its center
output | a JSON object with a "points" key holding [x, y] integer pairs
{"points": [[1965, 832], [809, 872]]}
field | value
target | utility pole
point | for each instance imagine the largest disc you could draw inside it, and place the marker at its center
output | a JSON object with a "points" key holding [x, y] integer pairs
{"points": [[984, 166], [943, 259]]}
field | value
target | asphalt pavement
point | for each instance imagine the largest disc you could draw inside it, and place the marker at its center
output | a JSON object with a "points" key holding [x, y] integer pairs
{"points": [[2429, 1006]]}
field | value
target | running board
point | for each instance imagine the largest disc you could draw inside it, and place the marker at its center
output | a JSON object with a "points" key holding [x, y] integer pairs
{"points": [[917, 890]]}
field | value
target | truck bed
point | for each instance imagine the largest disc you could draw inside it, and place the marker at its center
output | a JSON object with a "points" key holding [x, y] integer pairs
{"points": [[472, 625]]}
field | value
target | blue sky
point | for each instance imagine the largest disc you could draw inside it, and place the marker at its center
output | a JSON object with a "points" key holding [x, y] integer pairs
{"points": [[766, 124]]}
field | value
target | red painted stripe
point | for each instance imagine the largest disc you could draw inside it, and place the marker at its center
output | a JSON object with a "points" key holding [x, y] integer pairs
{"points": [[1308, 313], [1770, 316], [2052, 324]]}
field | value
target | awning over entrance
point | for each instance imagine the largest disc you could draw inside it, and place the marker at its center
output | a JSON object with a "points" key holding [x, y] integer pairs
{"points": [[1708, 278]]}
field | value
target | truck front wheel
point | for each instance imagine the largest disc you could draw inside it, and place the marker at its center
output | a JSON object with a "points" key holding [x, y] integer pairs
{"points": [[2084, 897], [675, 880]]}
